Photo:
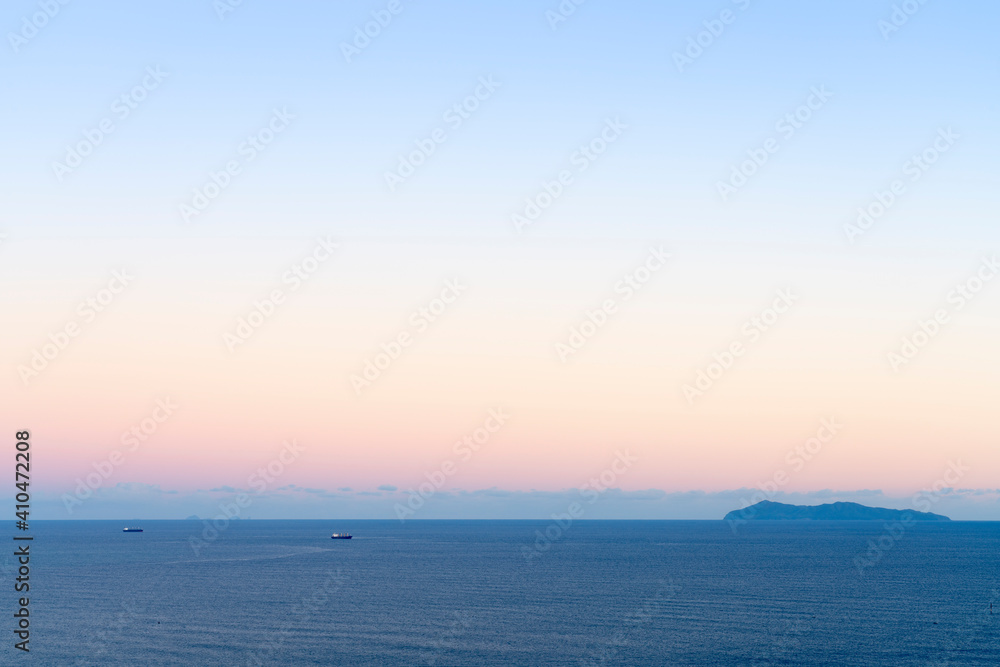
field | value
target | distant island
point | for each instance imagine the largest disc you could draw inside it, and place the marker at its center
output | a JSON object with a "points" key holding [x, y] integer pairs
{"points": [[766, 510]]}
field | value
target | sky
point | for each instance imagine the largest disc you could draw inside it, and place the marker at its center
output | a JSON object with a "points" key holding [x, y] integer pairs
{"points": [[477, 260]]}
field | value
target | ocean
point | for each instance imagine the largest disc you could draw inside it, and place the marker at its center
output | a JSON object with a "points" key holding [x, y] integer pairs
{"points": [[509, 593]]}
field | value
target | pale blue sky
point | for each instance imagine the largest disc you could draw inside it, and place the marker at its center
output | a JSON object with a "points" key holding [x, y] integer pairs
{"points": [[345, 124], [686, 129]]}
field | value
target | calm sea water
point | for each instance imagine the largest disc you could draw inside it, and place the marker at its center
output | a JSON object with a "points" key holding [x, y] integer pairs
{"points": [[464, 593]]}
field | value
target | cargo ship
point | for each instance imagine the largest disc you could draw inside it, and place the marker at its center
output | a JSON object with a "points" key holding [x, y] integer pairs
{"points": [[340, 536], [131, 530]]}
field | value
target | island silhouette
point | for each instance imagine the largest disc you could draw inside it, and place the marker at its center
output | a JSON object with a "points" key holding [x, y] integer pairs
{"points": [[767, 510]]}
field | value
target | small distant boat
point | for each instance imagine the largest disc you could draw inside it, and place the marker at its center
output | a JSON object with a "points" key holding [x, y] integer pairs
{"points": [[340, 536], [131, 530]]}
